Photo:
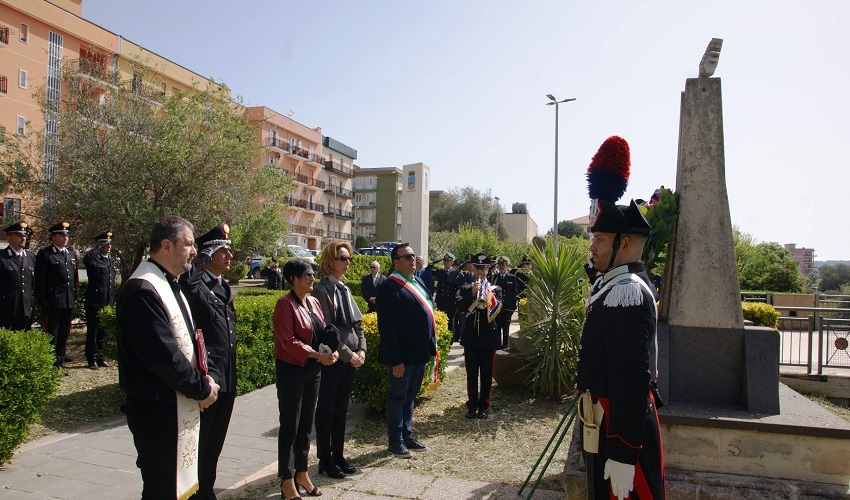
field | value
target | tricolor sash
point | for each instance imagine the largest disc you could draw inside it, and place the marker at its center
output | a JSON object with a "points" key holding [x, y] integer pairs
{"points": [[425, 301], [188, 411]]}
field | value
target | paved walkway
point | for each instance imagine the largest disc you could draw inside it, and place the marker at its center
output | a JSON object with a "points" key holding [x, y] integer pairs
{"points": [[98, 462]]}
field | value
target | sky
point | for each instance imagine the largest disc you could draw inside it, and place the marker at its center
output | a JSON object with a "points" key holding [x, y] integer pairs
{"points": [[461, 86]]}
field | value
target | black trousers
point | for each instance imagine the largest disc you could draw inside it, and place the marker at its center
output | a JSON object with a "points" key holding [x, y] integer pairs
{"points": [[503, 321], [94, 334], [479, 368], [59, 327], [214, 422], [331, 411], [154, 428], [15, 322], [297, 392]]}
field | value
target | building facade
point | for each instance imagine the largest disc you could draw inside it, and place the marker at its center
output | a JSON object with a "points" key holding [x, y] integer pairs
{"points": [[805, 258], [377, 204]]}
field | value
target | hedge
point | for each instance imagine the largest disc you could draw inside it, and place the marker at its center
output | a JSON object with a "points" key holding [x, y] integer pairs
{"points": [[371, 382], [27, 382], [761, 314]]}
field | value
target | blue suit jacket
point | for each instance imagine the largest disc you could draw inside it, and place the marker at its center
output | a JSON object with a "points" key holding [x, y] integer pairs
{"points": [[407, 333]]}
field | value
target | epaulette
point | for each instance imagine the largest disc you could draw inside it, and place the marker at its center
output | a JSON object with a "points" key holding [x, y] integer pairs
{"points": [[625, 294]]}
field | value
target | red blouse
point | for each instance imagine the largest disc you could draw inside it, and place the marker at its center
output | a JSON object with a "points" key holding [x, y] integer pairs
{"points": [[293, 329]]}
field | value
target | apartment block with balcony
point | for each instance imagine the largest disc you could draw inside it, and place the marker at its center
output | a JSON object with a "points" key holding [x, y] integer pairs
{"points": [[377, 203], [339, 195], [37, 37], [805, 258]]}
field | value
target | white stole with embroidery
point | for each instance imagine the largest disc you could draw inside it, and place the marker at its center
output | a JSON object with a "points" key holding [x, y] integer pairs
{"points": [[188, 411]]}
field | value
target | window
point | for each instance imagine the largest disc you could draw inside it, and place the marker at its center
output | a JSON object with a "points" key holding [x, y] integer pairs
{"points": [[25, 31], [11, 208], [4, 35], [3, 85], [22, 78], [22, 125], [162, 92]]}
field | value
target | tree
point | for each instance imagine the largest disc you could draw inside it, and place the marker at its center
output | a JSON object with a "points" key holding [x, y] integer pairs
{"points": [[468, 205], [127, 156], [766, 266], [362, 242], [833, 277], [568, 229]]}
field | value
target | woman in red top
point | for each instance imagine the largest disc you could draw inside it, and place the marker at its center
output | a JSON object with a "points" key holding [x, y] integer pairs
{"points": [[298, 322]]}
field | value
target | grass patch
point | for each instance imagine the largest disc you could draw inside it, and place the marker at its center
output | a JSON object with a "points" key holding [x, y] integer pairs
{"points": [[821, 399], [501, 449], [85, 396]]}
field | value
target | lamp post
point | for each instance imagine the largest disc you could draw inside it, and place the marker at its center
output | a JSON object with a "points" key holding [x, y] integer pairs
{"points": [[556, 102]]}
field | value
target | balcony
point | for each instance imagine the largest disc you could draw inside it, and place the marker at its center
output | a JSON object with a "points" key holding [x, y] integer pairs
{"points": [[337, 166], [339, 235], [279, 144], [364, 204], [314, 231], [318, 184], [298, 229], [4, 36], [305, 204], [97, 71], [336, 212], [3, 85], [300, 178], [340, 191]]}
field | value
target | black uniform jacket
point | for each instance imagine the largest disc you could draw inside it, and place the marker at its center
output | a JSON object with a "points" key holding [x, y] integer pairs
{"points": [[150, 365], [56, 279], [274, 278], [211, 302], [508, 283], [446, 287], [615, 355], [477, 332], [101, 272], [522, 283], [406, 330], [16, 284]]}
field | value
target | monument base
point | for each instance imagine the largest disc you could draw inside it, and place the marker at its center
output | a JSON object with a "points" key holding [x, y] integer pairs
{"points": [[718, 452]]}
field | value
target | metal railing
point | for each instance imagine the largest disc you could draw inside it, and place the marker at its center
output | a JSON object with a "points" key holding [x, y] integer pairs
{"points": [[814, 341]]}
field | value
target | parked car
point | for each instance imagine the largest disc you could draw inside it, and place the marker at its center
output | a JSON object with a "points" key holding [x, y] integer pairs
{"points": [[255, 263], [386, 252]]}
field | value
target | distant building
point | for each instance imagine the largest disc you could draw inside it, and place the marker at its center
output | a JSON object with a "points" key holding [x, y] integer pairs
{"points": [[377, 203], [805, 257], [584, 222], [519, 224]]}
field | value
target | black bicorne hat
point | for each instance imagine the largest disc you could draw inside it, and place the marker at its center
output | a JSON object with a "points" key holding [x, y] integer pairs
{"points": [[217, 236], [622, 219]]}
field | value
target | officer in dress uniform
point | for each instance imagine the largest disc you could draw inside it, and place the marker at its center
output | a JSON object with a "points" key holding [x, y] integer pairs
{"points": [[211, 302], [446, 288], [523, 276], [464, 275], [17, 269], [100, 293], [508, 282], [56, 287], [618, 349], [481, 303], [273, 275]]}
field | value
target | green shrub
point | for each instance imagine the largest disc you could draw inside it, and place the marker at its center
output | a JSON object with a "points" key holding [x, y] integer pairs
{"points": [[255, 340], [371, 382], [237, 271], [361, 303], [27, 382], [761, 314], [522, 314], [109, 324], [260, 292]]}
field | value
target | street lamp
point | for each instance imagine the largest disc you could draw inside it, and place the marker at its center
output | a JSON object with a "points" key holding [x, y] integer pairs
{"points": [[555, 226]]}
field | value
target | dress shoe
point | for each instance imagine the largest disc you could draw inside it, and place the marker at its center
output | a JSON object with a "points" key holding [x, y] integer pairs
{"points": [[399, 450], [93, 366], [470, 413], [331, 470], [102, 363], [345, 467], [414, 445], [482, 414]]}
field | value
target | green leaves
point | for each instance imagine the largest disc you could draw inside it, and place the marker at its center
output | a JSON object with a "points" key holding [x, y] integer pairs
{"points": [[662, 216]]}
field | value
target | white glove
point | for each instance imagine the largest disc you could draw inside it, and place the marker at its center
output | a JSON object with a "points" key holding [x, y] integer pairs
{"points": [[622, 477]]}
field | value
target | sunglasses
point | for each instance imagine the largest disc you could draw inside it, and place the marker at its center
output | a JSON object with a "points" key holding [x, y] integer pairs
{"points": [[408, 256], [309, 274], [344, 258]]}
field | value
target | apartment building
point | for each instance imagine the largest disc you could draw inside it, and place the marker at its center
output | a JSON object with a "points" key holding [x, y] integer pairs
{"points": [[377, 203], [805, 258], [36, 38]]}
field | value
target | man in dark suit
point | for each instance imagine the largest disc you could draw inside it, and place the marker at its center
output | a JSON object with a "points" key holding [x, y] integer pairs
{"points": [[425, 275], [17, 268], [56, 287], [369, 284], [100, 269], [211, 303], [508, 282], [408, 341]]}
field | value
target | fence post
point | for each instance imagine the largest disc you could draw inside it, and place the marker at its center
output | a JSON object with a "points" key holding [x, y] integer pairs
{"points": [[811, 344], [819, 327]]}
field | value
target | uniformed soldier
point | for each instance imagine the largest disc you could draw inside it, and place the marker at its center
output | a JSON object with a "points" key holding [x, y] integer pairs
{"points": [[446, 287], [618, 350], [56, 287], [508, 282], [523, 276], [211, 302], [273, 275], [481, 303], [100, 293], [17, 269], [465, 274]]}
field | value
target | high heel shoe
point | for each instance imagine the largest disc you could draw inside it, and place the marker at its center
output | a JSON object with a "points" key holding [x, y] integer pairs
{"points": [[345, 467], [315, 493], [283, 494], [333, 472]]}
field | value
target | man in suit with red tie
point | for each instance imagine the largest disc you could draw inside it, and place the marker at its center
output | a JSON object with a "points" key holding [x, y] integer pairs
{"points": [[17, 268], [56, 286]]}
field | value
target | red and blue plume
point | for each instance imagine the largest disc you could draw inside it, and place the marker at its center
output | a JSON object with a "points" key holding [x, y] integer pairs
{"points": [[608, 173]]}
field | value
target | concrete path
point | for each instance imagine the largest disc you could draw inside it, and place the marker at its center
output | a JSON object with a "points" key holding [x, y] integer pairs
{"points": [[98, 462]]}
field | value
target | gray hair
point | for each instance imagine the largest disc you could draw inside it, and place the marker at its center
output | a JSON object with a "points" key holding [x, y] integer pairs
{"points": [[375, 263], [167, 228]]}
